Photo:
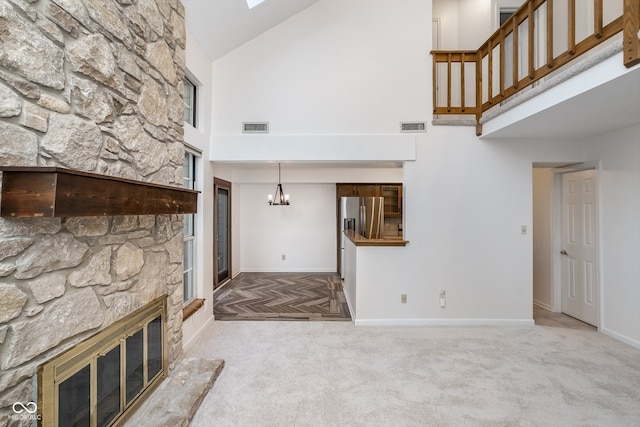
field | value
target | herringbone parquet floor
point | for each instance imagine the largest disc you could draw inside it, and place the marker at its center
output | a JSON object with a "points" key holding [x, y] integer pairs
{"points": [[282, 296]]}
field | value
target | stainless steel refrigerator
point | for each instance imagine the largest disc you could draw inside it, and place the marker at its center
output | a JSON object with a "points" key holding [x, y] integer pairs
{"points": [[364, 215], [349, 213]]}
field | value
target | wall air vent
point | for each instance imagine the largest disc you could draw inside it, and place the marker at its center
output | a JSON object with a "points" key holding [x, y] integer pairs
{"points": [[413, 126], [255, 127]]}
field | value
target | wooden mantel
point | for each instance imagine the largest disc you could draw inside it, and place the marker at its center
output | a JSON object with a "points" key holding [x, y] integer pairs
{"points": [[47, 192]]}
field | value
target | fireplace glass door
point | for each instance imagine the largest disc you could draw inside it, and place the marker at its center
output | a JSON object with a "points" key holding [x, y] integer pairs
{"points": [[108, 386], [98, 382], [154, 348], [74, 403], [135, 368]]}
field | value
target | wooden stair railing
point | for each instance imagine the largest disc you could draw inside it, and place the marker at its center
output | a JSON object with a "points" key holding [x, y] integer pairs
{"points": [[523, 51]]}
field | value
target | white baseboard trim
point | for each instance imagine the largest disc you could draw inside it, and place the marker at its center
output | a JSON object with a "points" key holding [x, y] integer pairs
{"points": [[200, 329], [444, 322], [351, 311], [542, 305], [629, 341], [288, 270]]}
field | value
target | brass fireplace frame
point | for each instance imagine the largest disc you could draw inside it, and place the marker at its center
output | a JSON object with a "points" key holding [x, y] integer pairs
{"points": [[56, 370]]}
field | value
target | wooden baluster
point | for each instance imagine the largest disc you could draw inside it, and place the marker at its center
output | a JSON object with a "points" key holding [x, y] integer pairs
{"points": [[550, 33], [462, 78], [449, 82], [532, 35], [515, 59], [490, 71], [597, 17], [630, 29], [478, 92], [571, 47], [435, 81], [501, 62]]}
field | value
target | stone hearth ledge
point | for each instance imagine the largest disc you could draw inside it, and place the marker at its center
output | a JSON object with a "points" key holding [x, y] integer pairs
{"points": [[176, 400]]}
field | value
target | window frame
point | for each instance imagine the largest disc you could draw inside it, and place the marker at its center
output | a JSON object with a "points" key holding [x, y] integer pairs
{"points": [[190, 101], [189, 233]]}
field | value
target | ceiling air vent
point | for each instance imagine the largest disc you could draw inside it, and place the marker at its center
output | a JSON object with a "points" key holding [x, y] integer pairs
{"points": [[255, 127], [413, 126]]}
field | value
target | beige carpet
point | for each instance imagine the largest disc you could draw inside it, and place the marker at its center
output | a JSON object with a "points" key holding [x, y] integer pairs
{"points": [[336, 374]]}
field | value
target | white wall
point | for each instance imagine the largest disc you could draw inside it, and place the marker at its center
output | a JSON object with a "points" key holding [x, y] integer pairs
{"points": [[465, 200], [262, 178], [359, 67], [312, 174], [200, 67], [447, 12], [305, 231], [316, 86], [467, 24], [351, 276], [543, 237], [474, 23], [338, 67], [619, 153], [314, 148]]}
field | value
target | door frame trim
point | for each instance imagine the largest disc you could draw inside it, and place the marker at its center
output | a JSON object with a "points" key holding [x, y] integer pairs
{"points": [[221, 183], [557, 230]]}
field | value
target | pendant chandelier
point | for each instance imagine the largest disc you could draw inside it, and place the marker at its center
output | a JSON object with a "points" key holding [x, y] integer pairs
{"points": [[280, 199]]}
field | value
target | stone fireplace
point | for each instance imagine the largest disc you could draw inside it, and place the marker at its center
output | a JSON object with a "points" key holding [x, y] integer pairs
{"points": [[102, 380], [92, 86]]}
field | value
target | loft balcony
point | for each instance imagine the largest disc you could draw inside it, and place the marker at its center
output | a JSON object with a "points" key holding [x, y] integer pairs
{"points": [[555, 68]]}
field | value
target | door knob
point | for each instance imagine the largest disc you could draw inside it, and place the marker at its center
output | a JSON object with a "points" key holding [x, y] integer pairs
{"points": [[563, 252]]}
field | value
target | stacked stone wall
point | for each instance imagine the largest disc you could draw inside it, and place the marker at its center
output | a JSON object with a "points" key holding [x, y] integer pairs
{"points": [[96, 86]]}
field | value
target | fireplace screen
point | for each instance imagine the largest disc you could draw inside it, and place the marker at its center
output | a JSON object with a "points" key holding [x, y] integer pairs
{"points": [[100, 381]]}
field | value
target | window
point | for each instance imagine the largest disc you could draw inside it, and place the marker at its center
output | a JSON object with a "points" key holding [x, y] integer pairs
{"points": [[189, 231], [189, 102], [253, 3]]}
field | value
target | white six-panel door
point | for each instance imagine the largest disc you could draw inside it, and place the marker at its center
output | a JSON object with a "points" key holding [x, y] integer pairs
{"points": [[579, 250]]}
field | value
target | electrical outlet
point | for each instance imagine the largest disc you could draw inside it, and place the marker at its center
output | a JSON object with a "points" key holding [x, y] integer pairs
{"points": [[403, 298], [443, 299], [284, 257]]}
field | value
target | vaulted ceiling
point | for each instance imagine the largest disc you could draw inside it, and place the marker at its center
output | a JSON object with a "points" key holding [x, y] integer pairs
{"points": [[221, 26]]}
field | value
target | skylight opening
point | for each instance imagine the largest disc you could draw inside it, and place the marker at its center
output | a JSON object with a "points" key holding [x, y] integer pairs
{"points": [[253, 3]]}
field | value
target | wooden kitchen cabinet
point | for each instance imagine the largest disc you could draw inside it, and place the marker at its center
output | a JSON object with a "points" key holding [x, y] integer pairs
{"points": [[369, 190], [358, 190], [391, 191], [392, 199], [392, 194]]}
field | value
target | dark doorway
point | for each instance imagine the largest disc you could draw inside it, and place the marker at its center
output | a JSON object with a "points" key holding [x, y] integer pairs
{"points": [[222, 233]]}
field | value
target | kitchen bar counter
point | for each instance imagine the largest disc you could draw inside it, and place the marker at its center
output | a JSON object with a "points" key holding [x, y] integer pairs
{"points": [[368, 262], [358, 240]]}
